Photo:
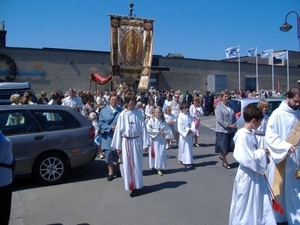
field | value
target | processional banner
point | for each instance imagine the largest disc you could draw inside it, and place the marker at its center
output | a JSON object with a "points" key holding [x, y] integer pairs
{"points": [[131, 49]]}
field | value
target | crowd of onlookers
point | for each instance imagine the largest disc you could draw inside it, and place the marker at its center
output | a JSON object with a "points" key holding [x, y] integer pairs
{"points": [[96, 100]]}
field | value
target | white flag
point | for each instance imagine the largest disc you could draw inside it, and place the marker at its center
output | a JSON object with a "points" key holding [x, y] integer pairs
{"points": [[252, 52], [283, 55], [232, 52], [267, 53]]}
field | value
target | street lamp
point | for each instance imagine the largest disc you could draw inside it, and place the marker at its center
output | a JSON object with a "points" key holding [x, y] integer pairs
{"points": [[286, 26]]}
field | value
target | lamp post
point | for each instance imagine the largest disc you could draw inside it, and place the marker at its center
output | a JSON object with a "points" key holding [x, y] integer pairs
{"points": [[286, 26]]}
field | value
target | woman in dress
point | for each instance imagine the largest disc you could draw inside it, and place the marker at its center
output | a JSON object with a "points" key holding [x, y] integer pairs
{"points": [[225, 128]]}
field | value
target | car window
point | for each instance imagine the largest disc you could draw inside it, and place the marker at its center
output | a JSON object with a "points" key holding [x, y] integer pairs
{"points": [[235, 105], [13, 122], [51, 120], [272, 106]]}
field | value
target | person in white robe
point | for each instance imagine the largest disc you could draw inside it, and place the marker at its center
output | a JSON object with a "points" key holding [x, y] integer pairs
{"points": [[286, 156], [175, 110], [196, 111], [172, 124], [157, 129], [251, 201], [148, 109], [131, 139], [260, 132], [186, 129]]}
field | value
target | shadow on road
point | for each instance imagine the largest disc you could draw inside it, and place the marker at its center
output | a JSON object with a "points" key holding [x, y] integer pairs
{"points": [[158, 187], [206, 145]]}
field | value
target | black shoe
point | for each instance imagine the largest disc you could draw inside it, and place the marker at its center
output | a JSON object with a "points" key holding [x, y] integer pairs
{"points": [[118, 173], [110, 178], [134, 193]]}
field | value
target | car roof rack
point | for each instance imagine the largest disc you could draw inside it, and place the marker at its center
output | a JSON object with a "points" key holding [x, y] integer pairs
{"points": [[15, 86]]}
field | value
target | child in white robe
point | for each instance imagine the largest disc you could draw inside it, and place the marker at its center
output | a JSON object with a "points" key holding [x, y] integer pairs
{"points": [[196, 111], [251, 202], [171, 122], [130, 140], [186, 129], [157, 129]]}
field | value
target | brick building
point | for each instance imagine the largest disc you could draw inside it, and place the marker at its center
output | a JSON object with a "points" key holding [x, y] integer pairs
{"points": [[51, 69]]}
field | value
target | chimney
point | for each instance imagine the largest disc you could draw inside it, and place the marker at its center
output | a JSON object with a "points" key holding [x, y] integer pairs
{"points": [[2, 35]]}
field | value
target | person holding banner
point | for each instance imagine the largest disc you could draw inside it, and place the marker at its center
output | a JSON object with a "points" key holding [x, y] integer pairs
{"points": [[282, 137]]}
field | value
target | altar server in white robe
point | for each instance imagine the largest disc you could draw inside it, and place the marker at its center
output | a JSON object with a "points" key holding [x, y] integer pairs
{"points": [[157, 130], [186, 129], [286, 156], [251, 201], [131, 139]]}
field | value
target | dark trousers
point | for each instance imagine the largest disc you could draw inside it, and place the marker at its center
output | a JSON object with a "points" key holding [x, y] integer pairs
{"points": [[5, 203]]}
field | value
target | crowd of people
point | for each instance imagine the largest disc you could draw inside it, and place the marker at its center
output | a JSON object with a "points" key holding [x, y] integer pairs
{"points": [[128, 125]]}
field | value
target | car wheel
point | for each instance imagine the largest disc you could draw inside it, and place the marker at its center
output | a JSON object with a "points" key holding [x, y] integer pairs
{"points": [[51, 168]]}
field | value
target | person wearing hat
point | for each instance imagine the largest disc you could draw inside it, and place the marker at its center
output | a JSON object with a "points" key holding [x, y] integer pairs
{"points": [[43, 99]]}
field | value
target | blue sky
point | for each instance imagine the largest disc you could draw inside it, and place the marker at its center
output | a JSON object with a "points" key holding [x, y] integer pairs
{"points": [[198, 29]]}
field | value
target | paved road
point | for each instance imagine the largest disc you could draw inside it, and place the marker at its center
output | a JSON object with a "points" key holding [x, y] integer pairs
{"points": [[200, 196]]}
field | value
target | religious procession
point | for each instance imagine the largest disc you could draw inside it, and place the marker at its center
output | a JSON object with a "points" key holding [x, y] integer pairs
{"points": [[131, 125]]}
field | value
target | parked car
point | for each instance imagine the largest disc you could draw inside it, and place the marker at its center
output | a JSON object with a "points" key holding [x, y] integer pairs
{"points": [[9, 88], [48, 140], [238, 104]]}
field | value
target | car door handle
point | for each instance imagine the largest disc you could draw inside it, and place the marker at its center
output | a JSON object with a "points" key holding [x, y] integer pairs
{"points": [[39, 137]]}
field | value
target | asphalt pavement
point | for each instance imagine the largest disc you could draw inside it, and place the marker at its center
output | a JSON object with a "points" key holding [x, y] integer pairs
{"points": [[16, 208]]}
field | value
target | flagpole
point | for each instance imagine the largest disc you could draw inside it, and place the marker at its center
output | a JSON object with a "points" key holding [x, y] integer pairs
{"points": [[239, 71], [272, 72], [257, 83], [288, 71]]}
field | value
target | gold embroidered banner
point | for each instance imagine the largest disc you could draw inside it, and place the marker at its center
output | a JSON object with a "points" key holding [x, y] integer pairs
{"points": [[131, 49]]}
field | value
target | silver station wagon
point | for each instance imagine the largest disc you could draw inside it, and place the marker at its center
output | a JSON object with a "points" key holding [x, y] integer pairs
{"points": [[238, 105], [47, 140]]}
